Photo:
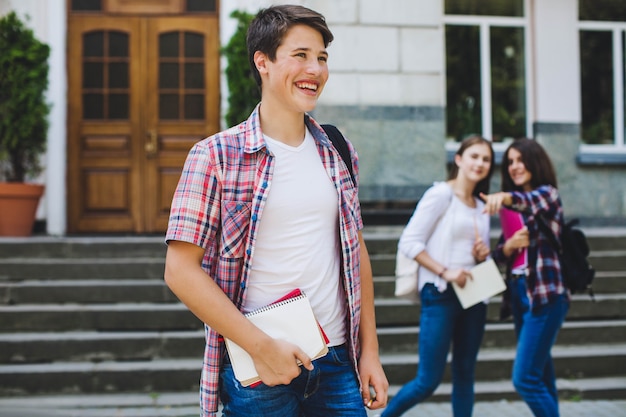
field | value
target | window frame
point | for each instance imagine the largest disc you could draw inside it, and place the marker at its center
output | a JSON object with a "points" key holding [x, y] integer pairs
{"points": [[598, 153], [484, 23]]}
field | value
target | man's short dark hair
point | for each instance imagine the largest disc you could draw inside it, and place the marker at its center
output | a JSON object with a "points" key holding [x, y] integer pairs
{"points": [[268, 28]]}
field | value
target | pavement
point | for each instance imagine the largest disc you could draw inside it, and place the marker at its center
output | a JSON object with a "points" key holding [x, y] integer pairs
{"points": [[185, 405]]}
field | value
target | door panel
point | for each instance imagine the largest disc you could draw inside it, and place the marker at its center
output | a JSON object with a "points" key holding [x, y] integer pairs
{"points": [[141, 92], [183, 102], [104, 61]]}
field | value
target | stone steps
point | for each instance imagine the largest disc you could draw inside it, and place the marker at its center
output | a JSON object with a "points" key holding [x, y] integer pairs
{"points": [[404, 339], [574, 361], [185, 404], [83, 268], [605, 261], [86, 291], [100, 247], [100, 317], [394, 312], [98, 291], [588, 361], [175, 316], [101, 377], [95, 346], [607, 282], [383, 264], [83, 315]]}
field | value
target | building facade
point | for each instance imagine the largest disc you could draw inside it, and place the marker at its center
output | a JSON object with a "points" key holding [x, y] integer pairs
{"points": [[134, 83]]}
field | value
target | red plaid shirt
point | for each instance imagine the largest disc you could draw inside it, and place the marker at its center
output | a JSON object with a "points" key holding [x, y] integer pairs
{"points": [[217, 205]]}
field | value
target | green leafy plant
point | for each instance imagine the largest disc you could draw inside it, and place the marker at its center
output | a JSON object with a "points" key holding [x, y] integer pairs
{"points": [[155, 398], [575, 397], [23, 109], [243, 94]]}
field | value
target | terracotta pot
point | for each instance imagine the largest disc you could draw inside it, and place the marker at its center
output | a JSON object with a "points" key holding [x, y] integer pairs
{"points": [[18, 207]]}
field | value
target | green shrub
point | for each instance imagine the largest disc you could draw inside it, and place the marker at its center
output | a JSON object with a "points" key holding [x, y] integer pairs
{"points": [[23, 109], [243, 93]]}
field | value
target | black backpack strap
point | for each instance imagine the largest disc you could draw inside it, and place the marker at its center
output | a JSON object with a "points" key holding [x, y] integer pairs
{"points": [[339, 142]]}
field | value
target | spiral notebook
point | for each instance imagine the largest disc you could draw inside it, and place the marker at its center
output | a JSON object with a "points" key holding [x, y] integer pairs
{"points": [[290, 318]]}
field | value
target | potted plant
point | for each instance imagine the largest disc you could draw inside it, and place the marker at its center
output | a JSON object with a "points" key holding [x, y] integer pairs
{"points": [[23, 123]]}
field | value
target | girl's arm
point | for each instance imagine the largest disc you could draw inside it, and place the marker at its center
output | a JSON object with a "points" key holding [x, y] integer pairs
{"points": [[431, 207]]}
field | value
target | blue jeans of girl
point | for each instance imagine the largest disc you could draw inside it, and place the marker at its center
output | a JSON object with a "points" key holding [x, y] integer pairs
{"points": [[536, 331], [443, 322], [331, 389]]}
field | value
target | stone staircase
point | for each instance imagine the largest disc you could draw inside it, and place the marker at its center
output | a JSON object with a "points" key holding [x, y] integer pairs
{"points": [[82, 315]]}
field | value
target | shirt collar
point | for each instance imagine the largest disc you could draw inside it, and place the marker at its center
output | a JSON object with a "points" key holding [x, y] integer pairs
{"points": [[255, 142]]}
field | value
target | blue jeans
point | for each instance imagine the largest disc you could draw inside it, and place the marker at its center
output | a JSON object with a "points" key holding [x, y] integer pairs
{"points": [[443, 322], [331, 389], [536, 331]]}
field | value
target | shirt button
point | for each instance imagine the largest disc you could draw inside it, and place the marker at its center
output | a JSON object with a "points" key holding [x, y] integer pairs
{"points": [[242, 285], [265, 184], [254, 217], [238, 207], [248, 251]]}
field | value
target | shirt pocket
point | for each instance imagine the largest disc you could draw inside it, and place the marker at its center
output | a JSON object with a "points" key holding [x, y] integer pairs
{"points": [[235, 227]]}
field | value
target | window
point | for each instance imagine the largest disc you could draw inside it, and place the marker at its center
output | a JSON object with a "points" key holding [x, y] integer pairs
{"points": [[602, 71], [487, 80], [201, 6], [106, 82], [181, 76], [86, 5]]}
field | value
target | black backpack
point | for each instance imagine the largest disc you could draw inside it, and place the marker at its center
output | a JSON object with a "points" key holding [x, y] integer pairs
{"points": [[578, 274], [339, 142]]}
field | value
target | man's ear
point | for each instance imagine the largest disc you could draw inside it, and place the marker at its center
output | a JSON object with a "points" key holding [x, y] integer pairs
{"points": [[260, 61]]}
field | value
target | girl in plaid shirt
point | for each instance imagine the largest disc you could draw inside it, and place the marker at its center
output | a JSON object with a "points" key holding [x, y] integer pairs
{"points": [[536, 294]]}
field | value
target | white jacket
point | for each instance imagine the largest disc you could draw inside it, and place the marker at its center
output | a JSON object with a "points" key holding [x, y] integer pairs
{"points": [[430, 229]]}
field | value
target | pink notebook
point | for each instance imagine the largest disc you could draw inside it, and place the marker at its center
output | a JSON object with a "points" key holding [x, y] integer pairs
{"points": [[511, 221]]}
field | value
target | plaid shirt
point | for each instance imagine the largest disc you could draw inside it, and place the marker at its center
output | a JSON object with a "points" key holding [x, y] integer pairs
{"points": [[217, 205], [544, 277]]}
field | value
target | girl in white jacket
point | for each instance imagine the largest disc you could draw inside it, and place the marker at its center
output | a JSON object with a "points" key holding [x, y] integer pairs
{"points": [[447, 235]]}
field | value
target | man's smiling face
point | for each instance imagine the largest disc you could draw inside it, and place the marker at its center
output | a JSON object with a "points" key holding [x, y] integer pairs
{"points": [[298, 74]]}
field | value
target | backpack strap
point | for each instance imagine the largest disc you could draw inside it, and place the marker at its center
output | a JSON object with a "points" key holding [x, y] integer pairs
{"points": [[339, 142]]}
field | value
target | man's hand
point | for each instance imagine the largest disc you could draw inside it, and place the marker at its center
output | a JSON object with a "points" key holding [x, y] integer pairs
{"points": [[373, 376], [276, 361]]}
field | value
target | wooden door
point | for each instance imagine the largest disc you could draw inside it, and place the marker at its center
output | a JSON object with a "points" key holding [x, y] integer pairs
{"points": [[142, 90]]}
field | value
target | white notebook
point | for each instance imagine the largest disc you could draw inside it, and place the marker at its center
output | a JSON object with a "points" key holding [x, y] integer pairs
{"points": [[289, 319], [487, 282]]}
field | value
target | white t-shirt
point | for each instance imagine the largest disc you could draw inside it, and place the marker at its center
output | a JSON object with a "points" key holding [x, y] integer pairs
{"points": [[297, 243]]}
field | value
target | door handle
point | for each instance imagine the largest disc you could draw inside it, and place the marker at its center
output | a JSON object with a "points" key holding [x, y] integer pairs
{"points": [[152, 143]]}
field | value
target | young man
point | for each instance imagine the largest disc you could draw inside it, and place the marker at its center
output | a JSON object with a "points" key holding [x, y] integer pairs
{"points": [[268, 206]]}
